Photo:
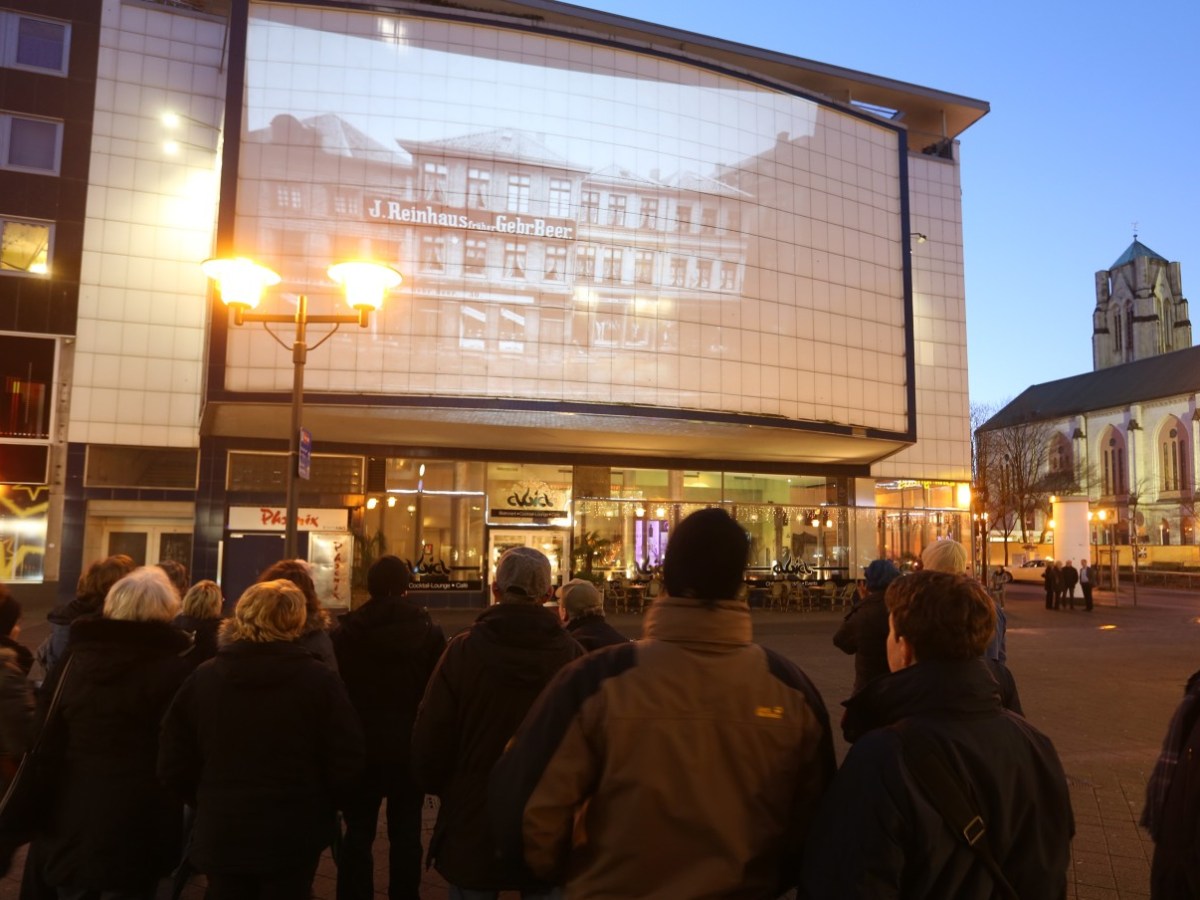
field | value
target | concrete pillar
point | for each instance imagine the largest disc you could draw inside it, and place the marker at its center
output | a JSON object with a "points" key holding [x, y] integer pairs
{"points": [[1071, 536]]}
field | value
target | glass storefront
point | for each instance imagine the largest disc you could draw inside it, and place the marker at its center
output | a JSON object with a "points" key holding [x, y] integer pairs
{"points": [[452, 519]]}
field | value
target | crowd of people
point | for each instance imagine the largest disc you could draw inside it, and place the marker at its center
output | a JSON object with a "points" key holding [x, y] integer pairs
{"points": [[172, 736]]}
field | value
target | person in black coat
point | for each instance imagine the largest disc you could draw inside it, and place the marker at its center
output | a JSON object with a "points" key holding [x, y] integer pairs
{"points": [[483, 686], [582, 607], [386, 651], [262, 741], [878, 832], [1050, 577], [88, 603], [1172, 811], [109, 825], [864, 630], [202, 617]]}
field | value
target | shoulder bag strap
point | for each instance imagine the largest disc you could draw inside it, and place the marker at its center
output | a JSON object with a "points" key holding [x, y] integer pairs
{"points": [[926, 760]]}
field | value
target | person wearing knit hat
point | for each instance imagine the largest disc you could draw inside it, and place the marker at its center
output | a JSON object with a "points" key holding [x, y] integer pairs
{"points": [[582, 608], [864, 630], [386, 650], [483, 686]]}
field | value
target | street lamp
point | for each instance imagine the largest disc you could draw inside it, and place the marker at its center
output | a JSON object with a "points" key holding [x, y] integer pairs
{"points": [[241, 282]]}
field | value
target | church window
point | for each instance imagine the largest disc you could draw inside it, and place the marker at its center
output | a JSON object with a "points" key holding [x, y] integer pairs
{"points": [[1173, 460]]}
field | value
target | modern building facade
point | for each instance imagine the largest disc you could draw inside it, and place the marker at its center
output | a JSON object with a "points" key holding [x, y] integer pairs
{"points": [[1123, 436], [644, 271]]}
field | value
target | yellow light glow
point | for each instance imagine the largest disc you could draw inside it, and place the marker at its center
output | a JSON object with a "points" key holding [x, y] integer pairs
{"points": [[816, 523], [1103, 514], [640, 511], [39, 268], [171, 148], [170, 119], [829, 523], [372, 502], [1051, 524], [365, 283], [1108, 627], [963, 496], [241, 281], [391, 502], [660, 512]]}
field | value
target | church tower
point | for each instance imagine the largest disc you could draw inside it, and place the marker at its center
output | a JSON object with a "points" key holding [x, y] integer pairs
{"points": [[1140, 309]]}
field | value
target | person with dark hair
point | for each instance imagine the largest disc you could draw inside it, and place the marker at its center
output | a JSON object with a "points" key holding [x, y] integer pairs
{"points": [[687, 764], [864, 630], [16, 693], [582, 609], [480, 691], [386, 651], [88, 604], [263, 743], [1172, 810], [935, 733], [177, 573], [315, 635], [10, 630]]}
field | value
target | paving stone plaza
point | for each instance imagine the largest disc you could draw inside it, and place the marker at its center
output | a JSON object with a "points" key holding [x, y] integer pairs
{"points": [[1102, 685]]}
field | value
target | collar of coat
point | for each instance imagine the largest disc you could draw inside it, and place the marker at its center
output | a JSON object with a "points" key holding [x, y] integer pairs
{"points": [[692, 621], [161, 637]]}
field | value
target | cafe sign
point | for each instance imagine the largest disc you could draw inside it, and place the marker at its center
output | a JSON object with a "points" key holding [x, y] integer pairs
{"points": [[531, 500]]}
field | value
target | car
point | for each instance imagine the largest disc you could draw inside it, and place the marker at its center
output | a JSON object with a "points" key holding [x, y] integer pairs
{"points": [[1027, 571]]}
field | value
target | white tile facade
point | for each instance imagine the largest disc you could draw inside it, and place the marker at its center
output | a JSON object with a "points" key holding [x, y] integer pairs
{"points": [[150, 216]]}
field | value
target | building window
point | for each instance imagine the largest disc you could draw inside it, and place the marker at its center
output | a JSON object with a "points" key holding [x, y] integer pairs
{"points": [[514, 260], [288, 197], [650, 213], [704, 270], [30, 43], [728, 275], [1059, 455], [1174, 461], [643, 267], [733, 220], [479, 184], [556, 263], [347, 204], [678, 271], [612, 264], [25, 247], [475, 257], [683, 216], [518, 193], [27, 365], [560, 198], [512, 330], [433, 182], [1112, 468], [433, 253], [617, 204], [472, 328], [586, 259], [708, 220], [30, 144], [589, 202]]}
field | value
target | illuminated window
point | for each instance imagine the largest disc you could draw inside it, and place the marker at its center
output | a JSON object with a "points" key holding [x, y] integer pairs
{"points": [[514, 260], [433, 182], [30, 43], [560, 198], [479, 182], [30, 144], [589, 202], [556, 263], [518, 193], [617, 204], [25, 247]]}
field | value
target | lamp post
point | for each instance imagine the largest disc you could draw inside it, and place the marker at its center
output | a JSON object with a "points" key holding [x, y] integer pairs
{"points": [[241, 282]]}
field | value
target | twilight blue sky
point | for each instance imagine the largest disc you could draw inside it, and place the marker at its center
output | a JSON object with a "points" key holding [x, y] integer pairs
{"points": [[1095, 125]]}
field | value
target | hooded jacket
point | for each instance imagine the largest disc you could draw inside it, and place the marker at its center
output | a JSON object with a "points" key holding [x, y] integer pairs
{"points": [[879, 836], [386, 651], [110, 824], [593, 632], [263, 741], [687, 764], [480, 691]]}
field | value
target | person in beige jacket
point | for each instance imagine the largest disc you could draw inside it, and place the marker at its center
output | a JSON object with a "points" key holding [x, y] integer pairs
{"points": [[686, 764]]}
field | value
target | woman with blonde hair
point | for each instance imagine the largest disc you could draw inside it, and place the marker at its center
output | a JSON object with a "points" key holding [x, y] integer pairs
{"points": [[201, 616], [262, 741], [110, 827], [315, 634]]}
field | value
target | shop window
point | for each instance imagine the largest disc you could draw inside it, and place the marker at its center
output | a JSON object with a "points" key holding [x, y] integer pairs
{"points": [[25, 247], [472, 328], [23, 517], [329, 473], [27, 42], [30, 145], [512, 330], [23, 464]]}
